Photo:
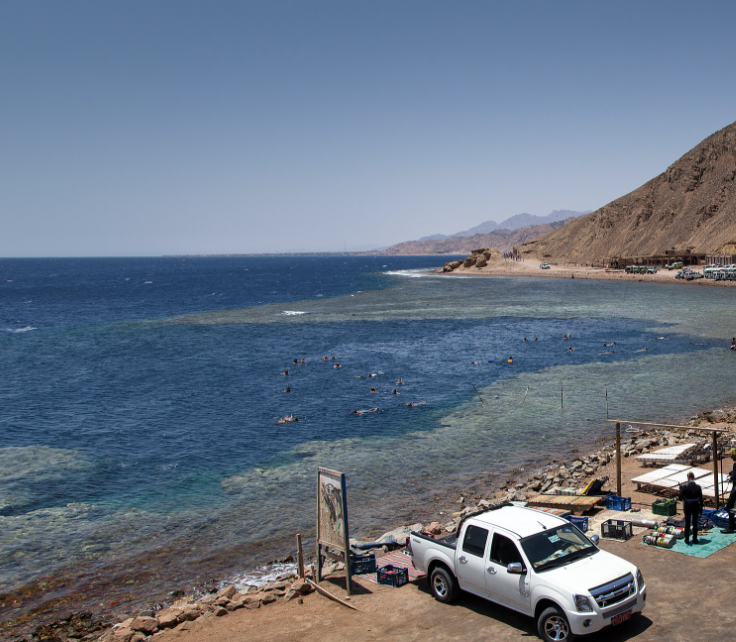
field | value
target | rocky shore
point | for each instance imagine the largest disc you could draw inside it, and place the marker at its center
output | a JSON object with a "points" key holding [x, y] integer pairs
{"points": [[226, 598]]}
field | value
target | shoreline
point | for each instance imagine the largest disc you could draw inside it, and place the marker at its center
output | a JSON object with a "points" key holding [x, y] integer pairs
{"points": [[216, 597], [509, 267]]}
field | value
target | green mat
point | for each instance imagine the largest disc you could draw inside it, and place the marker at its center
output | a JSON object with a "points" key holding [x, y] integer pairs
{"points": [[708, 543]]}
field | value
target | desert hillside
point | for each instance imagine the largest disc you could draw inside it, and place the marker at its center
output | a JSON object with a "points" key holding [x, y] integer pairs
{"points": [[692, 205], [502, 240]]}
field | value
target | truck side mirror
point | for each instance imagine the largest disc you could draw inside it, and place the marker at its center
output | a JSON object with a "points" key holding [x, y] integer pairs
{"points": [[515, 568], [595, 539]]}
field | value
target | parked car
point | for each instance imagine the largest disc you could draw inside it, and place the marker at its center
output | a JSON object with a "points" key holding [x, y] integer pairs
{"points": [[535, 563], [544, 266]]}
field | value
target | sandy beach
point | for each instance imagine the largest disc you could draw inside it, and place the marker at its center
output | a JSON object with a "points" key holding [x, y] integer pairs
{"points": [[507, 267]]}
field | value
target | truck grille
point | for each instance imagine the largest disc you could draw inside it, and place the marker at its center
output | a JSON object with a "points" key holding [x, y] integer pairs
{"points": [[614, 592]]}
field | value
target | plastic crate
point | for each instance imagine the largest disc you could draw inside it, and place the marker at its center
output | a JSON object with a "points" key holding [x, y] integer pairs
{"points": [[363, 564], [666, 507], [616, 529], [392, 575], [719, 518], [581, 522], [614, 502]]}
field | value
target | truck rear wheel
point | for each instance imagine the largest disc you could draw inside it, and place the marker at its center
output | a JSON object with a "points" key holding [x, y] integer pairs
{"points": [[553, 626], [443, 585]]}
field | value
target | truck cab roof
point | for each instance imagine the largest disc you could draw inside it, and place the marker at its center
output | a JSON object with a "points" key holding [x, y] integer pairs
{"points": [[520, 521]]}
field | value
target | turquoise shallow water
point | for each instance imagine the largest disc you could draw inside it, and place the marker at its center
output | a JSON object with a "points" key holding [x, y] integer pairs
{"points": [[140, 400]]}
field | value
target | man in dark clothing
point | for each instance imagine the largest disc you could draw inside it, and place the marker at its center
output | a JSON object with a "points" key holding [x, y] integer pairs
{"points": [[692, 503], [732, 497]]}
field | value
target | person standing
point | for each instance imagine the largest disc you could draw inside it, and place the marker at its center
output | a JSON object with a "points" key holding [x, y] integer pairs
{"points": [[692, 504], [732, 497]]}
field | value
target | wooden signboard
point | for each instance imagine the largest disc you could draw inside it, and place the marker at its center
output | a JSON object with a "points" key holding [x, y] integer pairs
{"points": [[332, 521]]}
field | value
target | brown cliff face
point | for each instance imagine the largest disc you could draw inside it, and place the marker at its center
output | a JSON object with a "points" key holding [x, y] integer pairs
{"points": [[692, 205]]}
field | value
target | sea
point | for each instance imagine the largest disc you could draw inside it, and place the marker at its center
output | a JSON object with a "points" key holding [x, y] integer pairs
{"points": [[145, 453]]}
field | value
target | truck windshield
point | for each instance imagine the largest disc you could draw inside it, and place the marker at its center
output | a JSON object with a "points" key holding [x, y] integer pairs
{"points": [[556, 546]]}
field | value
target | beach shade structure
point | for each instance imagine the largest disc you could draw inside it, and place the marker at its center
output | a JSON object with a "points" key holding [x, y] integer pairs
{"points": [[671, 455], [714, 436], [648, 479]]}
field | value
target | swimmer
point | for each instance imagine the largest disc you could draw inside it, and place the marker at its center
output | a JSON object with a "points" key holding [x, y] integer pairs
{"points": [[510, 360], [285, 372], [372, 374], [288, 388], [570, 349], [395, 392], [733, 343], [334, 358], [608, 345], [524, 339], [642, 350], [400, 382], [474, 363], [611, 352], [373, 390], [296, 361], [565, 337], [337, 365], [411, 404], [325, 358], [303, 360], [535, 338]]}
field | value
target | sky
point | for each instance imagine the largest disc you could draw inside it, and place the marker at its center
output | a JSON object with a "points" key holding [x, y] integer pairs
{"points": [[156, 127]]}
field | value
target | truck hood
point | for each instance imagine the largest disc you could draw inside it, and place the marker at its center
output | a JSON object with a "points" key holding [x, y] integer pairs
{"points": [[588, 572]]}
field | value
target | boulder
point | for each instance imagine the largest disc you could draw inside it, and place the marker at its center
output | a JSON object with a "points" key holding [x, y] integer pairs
{"points": [[268, 598], [302, 587], [227, 592], [435, 529], [189, 613], [145, 624], [222, 601], [167, 620], [290, 595], [219, 611], [122, 634]]}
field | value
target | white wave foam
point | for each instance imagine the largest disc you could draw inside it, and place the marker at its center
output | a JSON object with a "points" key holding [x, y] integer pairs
{"points": [[292, 313], [27, 328], [265, 574], [411, 274]]}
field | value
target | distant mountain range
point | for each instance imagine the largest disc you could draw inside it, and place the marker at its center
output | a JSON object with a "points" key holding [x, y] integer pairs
{"points": [[502, 236], [690, 206]]}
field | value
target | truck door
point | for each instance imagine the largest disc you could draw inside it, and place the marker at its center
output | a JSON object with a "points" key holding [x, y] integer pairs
{"points": [[470, 561], [507, 588]]}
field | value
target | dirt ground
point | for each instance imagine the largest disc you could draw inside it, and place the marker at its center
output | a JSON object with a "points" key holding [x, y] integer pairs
{"points": [[688, 599]]}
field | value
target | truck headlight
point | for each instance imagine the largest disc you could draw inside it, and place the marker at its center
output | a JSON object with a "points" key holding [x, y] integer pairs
{"points": [[582, 603], [639, 579]]}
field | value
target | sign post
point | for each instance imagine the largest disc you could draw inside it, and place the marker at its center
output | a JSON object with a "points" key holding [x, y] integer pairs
{"points": [[333, 538]]}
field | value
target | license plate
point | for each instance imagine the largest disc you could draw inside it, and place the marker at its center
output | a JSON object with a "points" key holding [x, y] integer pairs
{"points": [[621, 617]]}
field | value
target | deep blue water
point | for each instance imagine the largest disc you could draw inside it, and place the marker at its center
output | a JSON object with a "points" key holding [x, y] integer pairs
{"points": [[139, 398]]}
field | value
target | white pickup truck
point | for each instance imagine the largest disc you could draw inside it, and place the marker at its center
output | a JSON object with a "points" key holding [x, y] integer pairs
{"points": [[535, 563]]}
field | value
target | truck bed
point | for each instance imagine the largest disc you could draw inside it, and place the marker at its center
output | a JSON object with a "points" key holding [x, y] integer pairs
{"points": [[450, 541]]}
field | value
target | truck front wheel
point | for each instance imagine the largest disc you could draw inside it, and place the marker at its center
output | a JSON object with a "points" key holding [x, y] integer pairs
{"points": [[443, 585], [553, 626]]}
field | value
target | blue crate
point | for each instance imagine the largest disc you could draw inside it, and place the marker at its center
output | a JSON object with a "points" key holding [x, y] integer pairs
{"points": [[581, 522], [614, 502], [392, 575], [719, 518], [363, 564]]}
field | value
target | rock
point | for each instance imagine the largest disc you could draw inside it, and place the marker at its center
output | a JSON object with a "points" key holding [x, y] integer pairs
{"points": [[302, 587], [536, 486], [122, 634], [268, 598], [137, 637], [145, 624], [219, 611], [227, 592], [189, 613], [434, 528], [222, 601], [290, 595], [234, 606], [146, 613], [252, 603], [167, 621]]}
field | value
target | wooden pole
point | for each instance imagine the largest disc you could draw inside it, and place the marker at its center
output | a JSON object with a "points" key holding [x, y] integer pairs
{"points": [[326, 593], [299, 556], [716, 485], [618, 459]]}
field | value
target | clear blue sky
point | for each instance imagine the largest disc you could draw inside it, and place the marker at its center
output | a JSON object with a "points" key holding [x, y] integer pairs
{"points": [[148, 127]]}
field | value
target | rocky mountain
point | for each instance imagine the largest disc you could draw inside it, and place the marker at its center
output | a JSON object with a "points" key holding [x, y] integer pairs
{"points": [[691, 205], [502, 240], [515, 222]]}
